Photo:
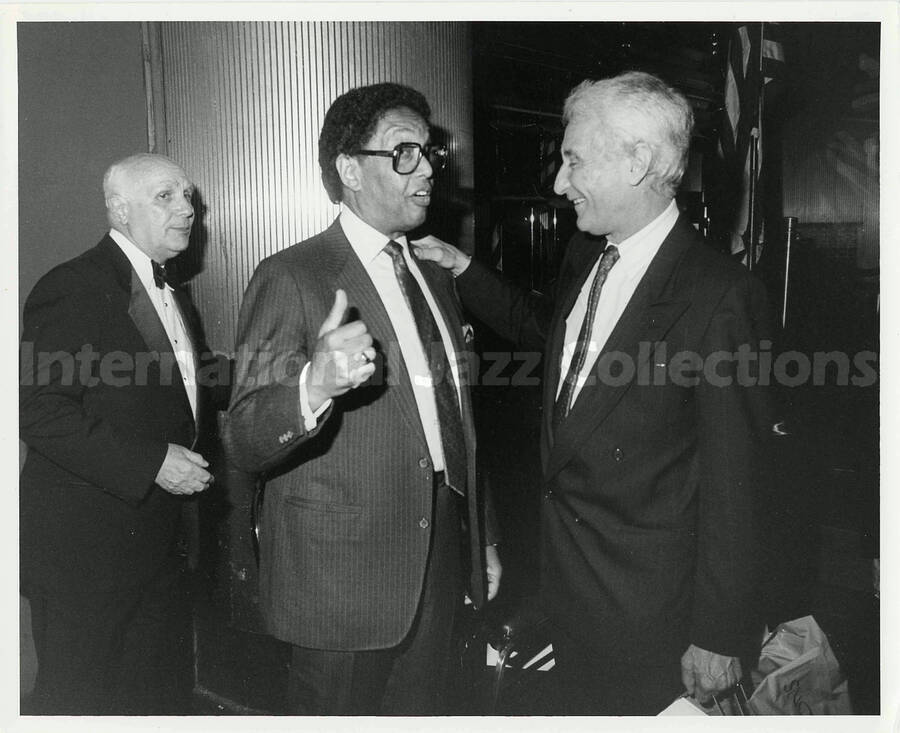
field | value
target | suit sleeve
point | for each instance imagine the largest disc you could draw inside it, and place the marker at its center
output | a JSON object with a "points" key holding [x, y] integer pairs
{"points": [[520, 317], [274, 342], [735, 428], [492, 533], [63, 318]]}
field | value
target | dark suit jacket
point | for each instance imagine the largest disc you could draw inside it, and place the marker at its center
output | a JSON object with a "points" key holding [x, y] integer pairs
{"points": [[345, 523], [649, 487], [97, 408]]}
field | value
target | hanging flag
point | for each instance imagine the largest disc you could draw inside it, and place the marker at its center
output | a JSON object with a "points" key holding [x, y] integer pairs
{"points": [[550, 160], [755, 58]]}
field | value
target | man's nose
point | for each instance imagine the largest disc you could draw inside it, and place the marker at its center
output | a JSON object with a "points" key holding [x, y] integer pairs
{"points": [[186, 208], [561, 183], [425, 169]]}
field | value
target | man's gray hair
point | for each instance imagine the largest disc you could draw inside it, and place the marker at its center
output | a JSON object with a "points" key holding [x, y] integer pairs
{"points": [[121, 174], [638, 107]]}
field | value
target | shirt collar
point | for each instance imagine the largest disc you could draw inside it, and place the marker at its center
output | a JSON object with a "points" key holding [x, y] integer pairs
{"points": [[638, 249], [137, 257], [366, 241]]}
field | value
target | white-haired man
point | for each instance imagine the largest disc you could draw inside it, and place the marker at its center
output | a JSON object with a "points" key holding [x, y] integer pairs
{"points": [[650, 437], [108, 409]]}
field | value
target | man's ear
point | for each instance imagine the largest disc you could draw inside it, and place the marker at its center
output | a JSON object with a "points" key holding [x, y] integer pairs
{"points": [[349, 171], [641, 158], [118, 208]]}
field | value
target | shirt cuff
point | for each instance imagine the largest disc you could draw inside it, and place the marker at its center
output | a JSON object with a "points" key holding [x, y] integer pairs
{"points": [[310, 417]]}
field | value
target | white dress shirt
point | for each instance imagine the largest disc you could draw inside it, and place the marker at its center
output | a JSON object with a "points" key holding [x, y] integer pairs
{"points": [[368, 244], [166, 307], [635, 254]]}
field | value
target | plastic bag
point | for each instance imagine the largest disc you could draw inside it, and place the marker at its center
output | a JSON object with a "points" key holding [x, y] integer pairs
{"points": [[800, 674]]}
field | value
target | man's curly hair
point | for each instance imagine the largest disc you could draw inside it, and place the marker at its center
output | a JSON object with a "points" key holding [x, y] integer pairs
{"points": [[351, 120]]}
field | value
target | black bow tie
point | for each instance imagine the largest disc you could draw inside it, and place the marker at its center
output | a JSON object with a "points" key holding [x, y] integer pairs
{"points": [[161, 276]]}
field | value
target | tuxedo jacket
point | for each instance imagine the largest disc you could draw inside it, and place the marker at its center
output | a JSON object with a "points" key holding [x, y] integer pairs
{"points": [[101, 397], [345, 525], [650, 486]]}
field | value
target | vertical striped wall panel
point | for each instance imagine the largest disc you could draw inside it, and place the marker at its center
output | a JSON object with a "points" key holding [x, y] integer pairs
{"points": [[244, 105], [835, 180]]}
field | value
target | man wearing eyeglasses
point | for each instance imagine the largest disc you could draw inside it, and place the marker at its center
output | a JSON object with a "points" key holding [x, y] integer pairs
{"points": [[351, 397]]}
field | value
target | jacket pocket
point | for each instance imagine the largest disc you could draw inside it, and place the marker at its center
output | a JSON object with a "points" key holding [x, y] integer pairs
{"points": [[327, 507]]}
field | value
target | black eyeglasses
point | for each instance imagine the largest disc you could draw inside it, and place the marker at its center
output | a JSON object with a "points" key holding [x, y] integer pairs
{"points": [[405, 157]]}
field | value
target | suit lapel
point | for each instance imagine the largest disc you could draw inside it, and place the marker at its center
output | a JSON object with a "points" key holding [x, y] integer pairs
{"points": [[148, 324], [350, 275], [647, 318], [453, 320], [449, 314], [146, 319], [583, 262]]}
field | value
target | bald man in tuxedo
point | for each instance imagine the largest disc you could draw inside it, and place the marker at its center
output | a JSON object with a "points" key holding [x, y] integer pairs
{"points": [[109, 410]]}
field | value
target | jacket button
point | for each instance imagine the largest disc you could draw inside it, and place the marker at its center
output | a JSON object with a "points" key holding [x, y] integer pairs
{"points": [[424, 463], [618, 454], [423, 523], [548, 494]]}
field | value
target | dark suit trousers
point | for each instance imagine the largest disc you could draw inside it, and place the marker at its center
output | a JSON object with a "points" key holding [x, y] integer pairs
{"points": [[111, 653], [595, 682], [409, 679]]}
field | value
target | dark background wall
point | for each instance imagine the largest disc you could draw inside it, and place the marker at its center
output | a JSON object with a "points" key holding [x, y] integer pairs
{"points": [[81, 106], [830, 146]]}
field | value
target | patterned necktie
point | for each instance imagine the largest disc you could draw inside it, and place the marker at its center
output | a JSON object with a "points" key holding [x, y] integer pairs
{"points": [[445, 397], [563, 404]]}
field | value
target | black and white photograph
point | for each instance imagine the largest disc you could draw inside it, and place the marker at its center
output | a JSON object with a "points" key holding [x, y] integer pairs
{"points": [[392, 365]]}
